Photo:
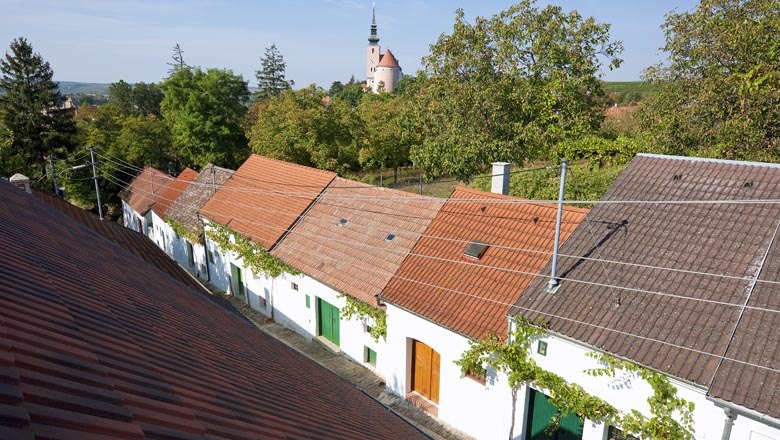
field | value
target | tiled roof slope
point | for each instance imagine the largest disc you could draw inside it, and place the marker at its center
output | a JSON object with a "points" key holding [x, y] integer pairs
{"points": [[132, 241], [727, 239], [185, 209], [388, 60], [145, 189], [173, 191], [356, 258], [265, 197], [95, 344], [472, 296]]}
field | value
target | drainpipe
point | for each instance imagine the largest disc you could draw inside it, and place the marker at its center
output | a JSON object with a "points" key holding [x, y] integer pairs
{"points": [[727, 424], [205, 247], [553, 285]]}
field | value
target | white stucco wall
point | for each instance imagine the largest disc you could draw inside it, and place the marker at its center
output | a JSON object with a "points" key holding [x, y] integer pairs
{"points": [[290, 310], [388, 77], [482, 411], [130, 217]]}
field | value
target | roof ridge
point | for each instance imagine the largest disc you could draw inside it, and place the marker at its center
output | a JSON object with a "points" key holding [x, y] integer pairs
{"points": [[508, 197], [260, 156], [709, 160], [378, 188]]}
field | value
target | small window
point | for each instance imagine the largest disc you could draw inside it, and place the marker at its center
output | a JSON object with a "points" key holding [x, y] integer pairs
{"points": [[369, 356], [475, 249], [747, 185], [368, 328], [677, 177], [390, 237], [308, 302], [542, 348], [343, 222], [211, 255], [294, 286], [618, 434]]}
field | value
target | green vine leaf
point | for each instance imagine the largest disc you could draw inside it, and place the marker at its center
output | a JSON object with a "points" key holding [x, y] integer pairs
{"points": [[353, 307], [183, 232], [257, 259]]}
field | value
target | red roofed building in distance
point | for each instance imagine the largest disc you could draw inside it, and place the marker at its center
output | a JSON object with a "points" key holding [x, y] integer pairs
{"points": [[382, 69]]}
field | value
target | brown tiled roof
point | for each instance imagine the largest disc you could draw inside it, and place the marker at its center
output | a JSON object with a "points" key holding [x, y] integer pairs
{"points": [[172, 192], [133, 241], [471, 296], [145, 189], [185, 209], [356, 258], [265, 197], [387, 60], [97, 344], [725, 239]]}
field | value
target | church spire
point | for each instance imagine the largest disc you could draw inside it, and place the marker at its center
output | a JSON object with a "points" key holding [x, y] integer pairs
{"points": [[373, 38]]}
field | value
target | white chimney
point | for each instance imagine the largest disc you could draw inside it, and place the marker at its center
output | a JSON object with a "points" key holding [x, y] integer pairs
{"points": [[501, 178], [21, 181]]}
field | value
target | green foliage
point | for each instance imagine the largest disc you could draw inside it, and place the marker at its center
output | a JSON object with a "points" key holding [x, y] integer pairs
{"points": [[28, 110], [352, 93], [509, 87], [514, 359], [138, 99], [254, 257], [599, 151], [184, 232], [389, 136], [271, 76], [204, 112], [377, 316], [719, 92], [665, 405], [301, 126]]}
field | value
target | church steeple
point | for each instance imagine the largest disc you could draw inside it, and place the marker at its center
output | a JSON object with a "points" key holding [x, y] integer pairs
{"points": [[373, 38]]}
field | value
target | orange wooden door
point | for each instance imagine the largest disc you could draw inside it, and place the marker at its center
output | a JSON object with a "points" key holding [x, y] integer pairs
{"points": [[425, 374]]}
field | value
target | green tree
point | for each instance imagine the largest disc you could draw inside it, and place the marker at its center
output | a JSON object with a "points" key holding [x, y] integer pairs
{"points": [[121, 95], [136, 99], [335, 88], [205, 112], [29, 110], [389, 136], [304, 127], [508, 87], [721, 87], [178, 60], [271, 76]]}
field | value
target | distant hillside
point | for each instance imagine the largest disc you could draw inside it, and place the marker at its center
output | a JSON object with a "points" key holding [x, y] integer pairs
{"points": [[74, 88], [629, 86]]}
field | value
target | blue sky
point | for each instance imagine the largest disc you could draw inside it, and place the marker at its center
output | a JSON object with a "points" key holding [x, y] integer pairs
{"points": [[321, 40]]}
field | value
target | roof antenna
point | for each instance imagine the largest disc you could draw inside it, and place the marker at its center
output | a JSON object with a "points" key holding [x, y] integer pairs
{"points": [[554, 284]]}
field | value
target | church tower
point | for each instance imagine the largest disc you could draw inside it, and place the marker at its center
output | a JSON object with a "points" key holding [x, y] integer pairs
{"points": [[372, 53]]}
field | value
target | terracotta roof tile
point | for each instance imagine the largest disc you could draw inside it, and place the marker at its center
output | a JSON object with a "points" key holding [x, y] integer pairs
{"points": [[172, 192], [145, 189], [356, 258], [431, 279], [95, 343], [724, 239], [387, 60], [265, 197], [185, 209], [133, 241]]}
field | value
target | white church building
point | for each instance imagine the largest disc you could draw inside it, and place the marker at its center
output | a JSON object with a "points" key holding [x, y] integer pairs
{"points": [[382, 69]]}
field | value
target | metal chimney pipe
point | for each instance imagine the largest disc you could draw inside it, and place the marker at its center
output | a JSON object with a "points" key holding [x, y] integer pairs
{"points": [[500, 182], [553, 285]]}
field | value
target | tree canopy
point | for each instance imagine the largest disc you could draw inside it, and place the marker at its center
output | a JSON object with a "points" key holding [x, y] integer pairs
{"points": [[509, 86], [30, 112], [720, 89], [271, 76], [204, 111]]}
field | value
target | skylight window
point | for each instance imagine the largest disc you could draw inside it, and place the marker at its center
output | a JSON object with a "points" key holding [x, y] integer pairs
{"points": [[475, 249], [343, 222], [390, 237]]}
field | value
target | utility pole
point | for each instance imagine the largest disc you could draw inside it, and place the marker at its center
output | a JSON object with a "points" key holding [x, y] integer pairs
{"points": [[553, 285], [94, 176], [53, 176]]}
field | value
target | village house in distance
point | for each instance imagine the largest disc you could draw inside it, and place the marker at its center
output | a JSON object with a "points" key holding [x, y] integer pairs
{"points": [[382, 69]]}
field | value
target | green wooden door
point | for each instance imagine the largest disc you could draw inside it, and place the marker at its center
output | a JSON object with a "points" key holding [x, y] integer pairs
{"points": [[328, 321], [540, 412], [237, 281]]}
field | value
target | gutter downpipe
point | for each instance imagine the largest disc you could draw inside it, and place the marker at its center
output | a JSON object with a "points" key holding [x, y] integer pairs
{"points": [[553, 285], [727, 424]]}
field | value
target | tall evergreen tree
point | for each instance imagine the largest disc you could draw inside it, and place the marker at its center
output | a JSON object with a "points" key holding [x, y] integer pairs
{"points": [[29, 109], [178, 59], [271, 76]]}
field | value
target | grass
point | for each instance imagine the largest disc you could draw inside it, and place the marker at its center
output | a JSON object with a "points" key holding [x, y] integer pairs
{"points": [[629, 86]]}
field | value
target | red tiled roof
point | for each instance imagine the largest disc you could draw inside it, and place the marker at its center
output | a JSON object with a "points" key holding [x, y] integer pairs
{"points": [[387, 60], [145, 189], [725, 239], [356, 258], [265, 197], [430, 280], [133, 241], [97, 344], [172, 192]]}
